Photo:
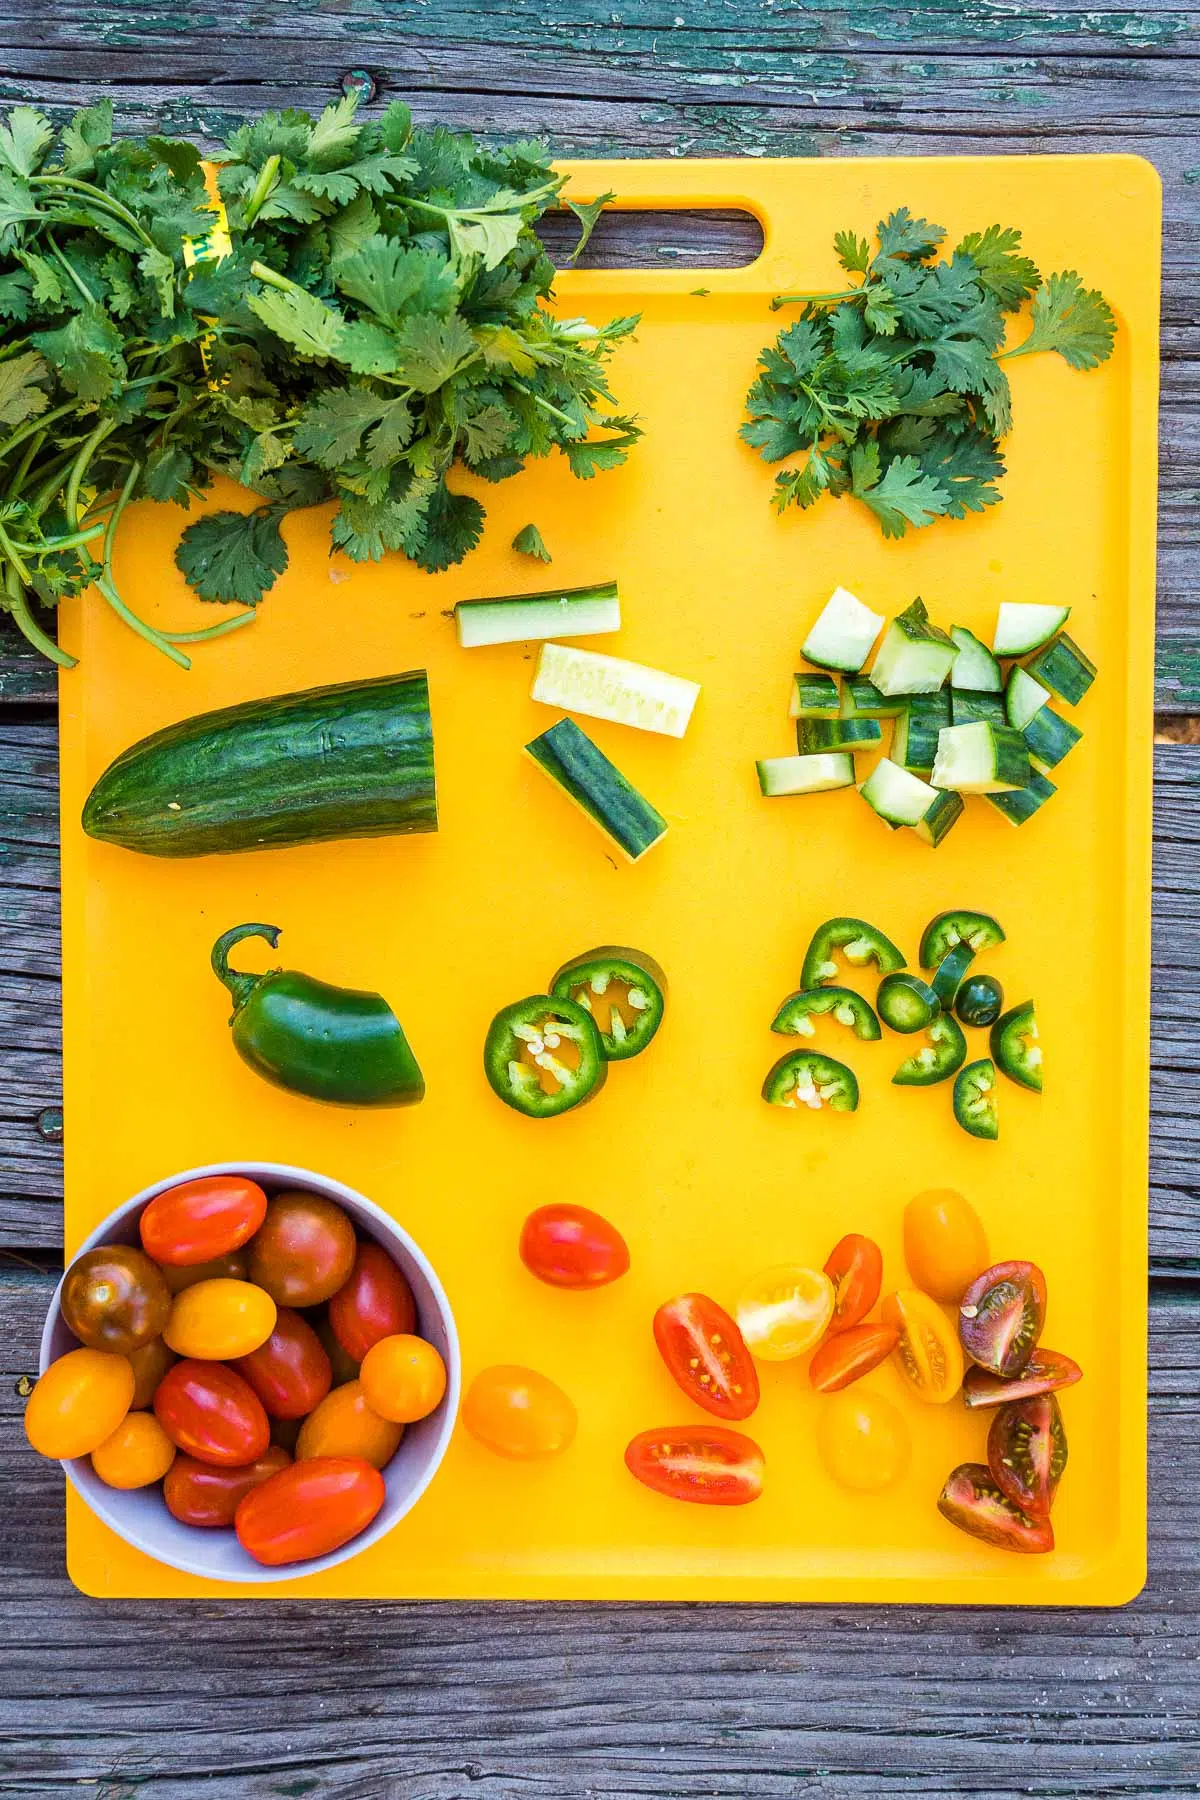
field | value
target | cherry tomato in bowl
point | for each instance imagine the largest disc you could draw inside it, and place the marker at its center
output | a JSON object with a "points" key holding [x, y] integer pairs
{"points": [[707, 1356], [290, 1372], [210, 1412], [149, 1363], [309, 1509], [138, 1453], [374, 1301], [202, 1219], [570, 1246], [199, 1493], [708, 1465], [78, 1402], [403, 1378], [219, 1320], [115, 1298], [304, 1250], [345, 1424]]}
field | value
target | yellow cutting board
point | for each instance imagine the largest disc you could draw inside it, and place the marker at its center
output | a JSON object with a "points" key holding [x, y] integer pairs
{"points": [[707, 1183]]}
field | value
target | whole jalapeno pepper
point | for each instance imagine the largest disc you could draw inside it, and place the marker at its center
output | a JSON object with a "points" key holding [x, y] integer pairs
{"points": [[330, 1043]]}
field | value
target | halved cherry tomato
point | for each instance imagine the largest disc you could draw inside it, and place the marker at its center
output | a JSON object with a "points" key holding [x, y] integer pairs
{"points": [[203, 1218], [218, 1319], [1000, 1316], [784, 1312], [845, 1355], [855, 1268], [1027, 1452], [375, 1301], [309, 1509], [706, 1354], [138, 1453], [345, 1424], [928, 1354], [198, 1493], [290, 1372], [863, 1440], [149, 1363], [707, 1464], [78, 1402], [945, 1245], [231, 1267], [304, 1249], [572, 1247], [403, 1378], [1044, 1373], [115, 1298], [518, 1413], [212, 1413], [972, 1501]]}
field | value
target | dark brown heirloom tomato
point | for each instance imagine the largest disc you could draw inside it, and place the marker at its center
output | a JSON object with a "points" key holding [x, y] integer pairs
{"points": [[375, 1301], [201, 1219], [115, 1299], [1000, 1317], [198, 1493], [290, 1373], [572, 1247], [1027, 1452], [150, 1363], [972, 1501], [231, 1267], [211, 1412], [706, 1353], [304, 1249], [1044, 1373]]}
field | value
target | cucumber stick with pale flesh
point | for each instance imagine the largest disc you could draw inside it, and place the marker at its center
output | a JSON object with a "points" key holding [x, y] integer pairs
{"points": [[915, 656], [608, 687], [899, 797], [981, 759], [814, 736], [1021, 628], [814, 697], [779, 776], [843, 633], [522, 618], [974, 666], [583, 772]]}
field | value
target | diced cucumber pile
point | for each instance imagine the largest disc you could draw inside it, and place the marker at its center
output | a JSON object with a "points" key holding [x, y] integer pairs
{"points": [[843, 634]]}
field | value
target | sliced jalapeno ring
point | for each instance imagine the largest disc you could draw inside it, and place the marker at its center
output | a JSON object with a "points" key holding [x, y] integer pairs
{"points": [[975, 1099], [859, 942], [907, 1003], [980, 1001], [623, 990], [978, 930], [795, 1017], [944, 1052], [1015, 1048], [543, 1055], [950, 974], [804, 1079]]}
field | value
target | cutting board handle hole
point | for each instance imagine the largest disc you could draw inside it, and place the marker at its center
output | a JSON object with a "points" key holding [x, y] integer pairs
{"points": [[657, 238]]}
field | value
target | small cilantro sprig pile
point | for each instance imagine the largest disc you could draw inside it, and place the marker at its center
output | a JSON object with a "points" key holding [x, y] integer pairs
{"points": [[892, 389]]}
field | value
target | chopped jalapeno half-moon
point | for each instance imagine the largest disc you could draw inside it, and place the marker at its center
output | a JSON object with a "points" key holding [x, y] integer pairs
{"points": [[624, 991], [1015, 1048], [805, 1078], [907, 1003], [944, 1051], [950, 974], [858, 942], [543, 1056], [795, 1017], [979, 931], [975, 1099]]}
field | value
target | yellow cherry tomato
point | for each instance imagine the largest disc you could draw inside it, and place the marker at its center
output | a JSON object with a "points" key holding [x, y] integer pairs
{"points": [[79, 1401], [945, 1245], [518, 1413], [863, 1440], [344, 1424], [928, 1355], [220, 1319], [138, 1453], [783, 1312], [403, 1378]]}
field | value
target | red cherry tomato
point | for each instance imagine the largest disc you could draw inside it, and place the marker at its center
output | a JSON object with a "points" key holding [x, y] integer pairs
{"points": [[202, 1219], [304, 1249], [572, 1247], [1044, 1373], [374, 1302], [972, 1501], [290, 1373], [702, 1463], [1027, 1452], [210, 1412], [197, 1493], [707, 1355], [309, 1509], [855, 1268], [848, 1354]]}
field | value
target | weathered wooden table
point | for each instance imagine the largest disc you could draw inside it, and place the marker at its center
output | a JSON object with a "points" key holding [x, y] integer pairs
{"points": [[241, 1701]]}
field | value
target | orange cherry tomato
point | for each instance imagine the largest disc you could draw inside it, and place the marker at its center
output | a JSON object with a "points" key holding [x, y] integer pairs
{"points": [[201, 1219], [707, 1355], [855, 1268], [183, 1275], [845, 1355], [198, 1493], [945, 1245], [115, 1298], [138, 1453], [572, 1247], [78, 1402], [928, 1354], [375, 1301], [403, 1378], [290, 1372], [309, 1509], [304, 1250], [219, 1319], [518, 1413], [784, 1312], [344, 1424], [863, 1441], [149, 1364], [707, 1464], [210, 1412]]}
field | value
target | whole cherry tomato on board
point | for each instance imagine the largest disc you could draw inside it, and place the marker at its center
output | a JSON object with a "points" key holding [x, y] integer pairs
{"points": [[290, 1372], [855, 1268], [212, 1413], [218, 1319], [928, 1354], [201, 1219], [706, 1354], [232, 1267], [345, 1425], [304, 1249], [198, 1493], [403, 1378], [309, 1509], [375, 1301], [138, 1453], [863, 1440], [784, 1312], [518, 1413], [115, 1298], [572, 1247], [846, 1355], [149, 1364], [706, 1464], [78, 1402], [945, 1245]]}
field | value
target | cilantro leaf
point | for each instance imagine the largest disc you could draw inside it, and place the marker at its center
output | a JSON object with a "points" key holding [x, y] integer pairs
{"points": [[966, 465], [23, 383], [231, 556], [431, 352], [1076, 321], [167, 474], [592, 455], [300, 319], [25, 140], [854, 253], [587, 212], [1001, 271], [529, 542], [452, 525], [393, 279], [902, 495], [331, 427], [16, 295], [85, 353], [89, 130], [902, 235]]}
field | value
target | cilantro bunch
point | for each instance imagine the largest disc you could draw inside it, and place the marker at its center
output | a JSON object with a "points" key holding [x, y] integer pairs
{"points": [[893, 390]]}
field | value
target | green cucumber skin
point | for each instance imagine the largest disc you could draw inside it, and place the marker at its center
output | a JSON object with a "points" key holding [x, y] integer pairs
{"points": [[1020, 804], [569, 757], [914, 743], [817, 737], [943, 815], [1050, 737], [969, 704], [550, 614], [351, 760], [814, 697], [861, 699], [1064, 668]]}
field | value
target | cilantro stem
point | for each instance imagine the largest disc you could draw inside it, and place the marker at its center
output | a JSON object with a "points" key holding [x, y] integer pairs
{"points": [[545, 405], [27, 625], [34, 425], [211, 631], [262, 190], [104, 202], [15, 560], [779, 300], [17, 479], [51, 546], [72, 273], [107, 587], [105, 429]]}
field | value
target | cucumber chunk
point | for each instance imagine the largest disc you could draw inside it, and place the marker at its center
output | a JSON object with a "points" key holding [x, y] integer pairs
{"points": [[816, 735], [915, 739], [1065, 669], [896, 795], [1049, 737], [968, 704], [583, 772], [915, 657], [814, 697], [944, 812], [981, 759], [1022, 803], [974, 666], [1021, 628], [1023, 697], [906, 1003], [521, 618], [861, 699], [779, 775], [608, 687], [842, 634]]}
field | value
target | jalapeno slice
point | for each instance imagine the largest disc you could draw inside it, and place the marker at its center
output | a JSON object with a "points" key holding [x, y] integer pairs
{"points": [[624, 991], [950, 973], [1015, 1048], [795, 1017], [975, 1099], [805, 1078], [980, 1001], [543, 1055], [944, 1051], [907, 1003], [979, 931], [859, 942]]}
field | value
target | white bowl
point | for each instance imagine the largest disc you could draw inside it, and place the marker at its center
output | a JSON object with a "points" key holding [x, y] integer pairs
{"points": [[141, 1516]]}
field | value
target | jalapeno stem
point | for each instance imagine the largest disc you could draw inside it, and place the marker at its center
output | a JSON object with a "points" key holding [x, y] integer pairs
{"points": [[240, 984]]}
